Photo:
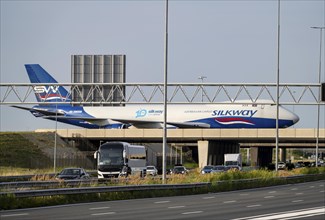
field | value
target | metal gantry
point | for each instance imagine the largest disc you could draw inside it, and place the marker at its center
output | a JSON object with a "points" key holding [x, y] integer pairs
{"points": [[178, 93]]}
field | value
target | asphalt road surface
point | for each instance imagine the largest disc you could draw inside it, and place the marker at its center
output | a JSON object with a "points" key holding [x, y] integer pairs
{"points": [[295, 201]]}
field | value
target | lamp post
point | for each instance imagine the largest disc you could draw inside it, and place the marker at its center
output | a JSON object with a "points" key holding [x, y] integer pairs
{"points": [[202, 78], [277, 92], [319, 92], [165, 95]]}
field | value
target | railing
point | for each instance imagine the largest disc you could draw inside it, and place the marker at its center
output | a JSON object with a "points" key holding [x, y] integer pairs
{"points": [[136, 93], [106, 189], [244, 183]]}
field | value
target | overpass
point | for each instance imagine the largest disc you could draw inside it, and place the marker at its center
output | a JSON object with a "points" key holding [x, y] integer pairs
{"points": [[212, 143]]}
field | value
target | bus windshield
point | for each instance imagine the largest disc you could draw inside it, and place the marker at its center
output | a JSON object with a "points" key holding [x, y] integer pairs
{"points": [[111, 155]]}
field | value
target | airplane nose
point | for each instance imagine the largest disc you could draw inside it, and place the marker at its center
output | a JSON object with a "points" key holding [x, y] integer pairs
{"points": [[295, 118]]}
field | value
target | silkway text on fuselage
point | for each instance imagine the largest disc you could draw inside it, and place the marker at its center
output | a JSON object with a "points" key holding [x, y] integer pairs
{"points": [[247, 113]]}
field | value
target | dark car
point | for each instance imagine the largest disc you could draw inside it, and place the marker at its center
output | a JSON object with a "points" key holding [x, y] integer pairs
{"points": [[207, 169], [72, 174], [179, 170]]}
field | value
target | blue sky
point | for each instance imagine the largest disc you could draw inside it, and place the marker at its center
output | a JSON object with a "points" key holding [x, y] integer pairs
{"points": [[226, 41]]}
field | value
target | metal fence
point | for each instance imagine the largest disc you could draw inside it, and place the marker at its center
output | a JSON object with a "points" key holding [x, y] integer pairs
{"points": [[304, 94]]}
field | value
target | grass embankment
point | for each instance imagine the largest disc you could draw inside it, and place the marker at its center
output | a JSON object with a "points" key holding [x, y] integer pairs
{"points": [[264, 178], [17, 152]]}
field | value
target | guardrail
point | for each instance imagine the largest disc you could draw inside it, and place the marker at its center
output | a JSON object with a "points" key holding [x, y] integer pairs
{"points": [[107, 189], [28, 177], [51, 183], [84, 190]]}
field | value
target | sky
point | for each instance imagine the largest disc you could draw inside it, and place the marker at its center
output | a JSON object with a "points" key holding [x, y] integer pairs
{"points": [[226, 41]]}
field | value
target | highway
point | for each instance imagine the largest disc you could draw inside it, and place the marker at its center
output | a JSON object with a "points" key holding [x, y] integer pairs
{"points": [[294, 201]]}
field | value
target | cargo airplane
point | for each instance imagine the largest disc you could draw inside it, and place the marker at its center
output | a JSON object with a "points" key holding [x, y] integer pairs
{"points": [[225, 115]]}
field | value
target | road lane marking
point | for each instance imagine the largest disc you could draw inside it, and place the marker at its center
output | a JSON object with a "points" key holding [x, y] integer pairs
{"points": [[176, 207], [104, 213], [209, 197], [294, 188], [159, 202], [194, 212], [251, 206], [297, 201], [231, 201], [97, 208], [267, 197], [272, 192], [13, 215], [312, 187], [299, 193], [244, 194], [300, 213]]}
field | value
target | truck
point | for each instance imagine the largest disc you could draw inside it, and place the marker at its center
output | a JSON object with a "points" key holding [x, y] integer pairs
{"points": [[115, 159], [233, 161]]}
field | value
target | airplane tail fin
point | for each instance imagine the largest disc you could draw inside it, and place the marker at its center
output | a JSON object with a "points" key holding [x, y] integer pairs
{"points": [[46, 93]]}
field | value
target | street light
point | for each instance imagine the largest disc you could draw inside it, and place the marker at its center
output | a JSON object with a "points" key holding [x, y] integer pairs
{"points": [[202, 78], [277, 92], [165, 95], [319, 92]]}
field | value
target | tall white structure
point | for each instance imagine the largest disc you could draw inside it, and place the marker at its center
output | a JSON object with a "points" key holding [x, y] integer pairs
{"points": [[97, 69]]}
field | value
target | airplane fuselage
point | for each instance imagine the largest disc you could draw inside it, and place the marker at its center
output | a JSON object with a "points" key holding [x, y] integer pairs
{"points": [[188, 115]]}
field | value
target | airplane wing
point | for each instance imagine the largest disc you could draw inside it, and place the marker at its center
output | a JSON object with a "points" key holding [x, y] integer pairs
{"points": [[96, 121], [107, 121], [140, 123], [189, 124], [43, 112], [158, 124]]}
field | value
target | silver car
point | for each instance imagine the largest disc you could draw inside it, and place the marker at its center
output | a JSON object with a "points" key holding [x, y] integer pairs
{"points": [[152, 170], [281, 165]]}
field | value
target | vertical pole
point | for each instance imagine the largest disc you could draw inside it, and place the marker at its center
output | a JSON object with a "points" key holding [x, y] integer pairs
{"points": [[319, 92], [277, 94], [176, 155], [165, 95], [171, 155], [56, 129]]}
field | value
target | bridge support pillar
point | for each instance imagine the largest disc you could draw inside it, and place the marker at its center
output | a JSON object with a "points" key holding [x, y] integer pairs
{"points": [[212, 152], [283, 154], [261, 156]]}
